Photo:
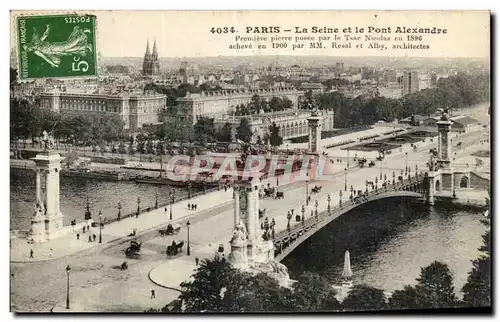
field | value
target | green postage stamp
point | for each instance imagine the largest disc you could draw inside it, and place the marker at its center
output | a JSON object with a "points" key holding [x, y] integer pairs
{"points": [[56, 46]]}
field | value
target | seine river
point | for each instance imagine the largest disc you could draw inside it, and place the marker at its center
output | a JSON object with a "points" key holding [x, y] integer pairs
{"points": [[389, 241]]}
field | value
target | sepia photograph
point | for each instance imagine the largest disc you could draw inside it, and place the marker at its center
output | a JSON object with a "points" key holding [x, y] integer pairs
{"points": [[250, 161]]}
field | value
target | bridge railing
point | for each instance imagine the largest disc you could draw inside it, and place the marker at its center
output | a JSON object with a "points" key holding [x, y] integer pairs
{"points": [[284, 238]]}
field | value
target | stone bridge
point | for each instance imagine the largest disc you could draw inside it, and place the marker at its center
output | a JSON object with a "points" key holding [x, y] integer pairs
{"points": [[286, 241]]}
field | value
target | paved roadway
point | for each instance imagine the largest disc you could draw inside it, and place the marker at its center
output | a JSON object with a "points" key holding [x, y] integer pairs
{"points": [[97, 286]]}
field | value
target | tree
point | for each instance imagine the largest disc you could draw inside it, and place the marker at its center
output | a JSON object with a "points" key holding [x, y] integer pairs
{"points": [[244, 132], [150, 147], [141, 144], [160, 148], [313, 293], [435, 285], [477, 290], [204, 130], [408, 298], [225, 133], [121, 148], [274, 137], [363, 298], [205, 291]]}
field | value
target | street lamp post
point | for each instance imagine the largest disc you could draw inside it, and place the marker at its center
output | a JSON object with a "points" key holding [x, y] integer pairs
{"points": [[406, 156], [88, 214], [189, 246], [329, 199], [316, 206], [303, 210], [393, 178], [345, 179], [381, 160], [100, 227], [170, 198], [119, 210], [68, 269], [138, 207], [289, 216], [156, 201], [340, 200], [307, 192]]}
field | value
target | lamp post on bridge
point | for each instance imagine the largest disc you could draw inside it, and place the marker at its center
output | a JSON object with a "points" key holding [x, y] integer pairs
{"points": [[329, 199], [289, 216], [393, 178], [316, 207], [303, 210], [340, 200], [156, 201]]}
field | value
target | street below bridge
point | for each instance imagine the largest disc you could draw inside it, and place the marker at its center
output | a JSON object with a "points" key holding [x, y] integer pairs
{"points": [[96, 285]]}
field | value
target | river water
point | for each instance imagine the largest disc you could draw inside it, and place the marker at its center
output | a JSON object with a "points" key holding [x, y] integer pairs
{"points": [[389, 240]]}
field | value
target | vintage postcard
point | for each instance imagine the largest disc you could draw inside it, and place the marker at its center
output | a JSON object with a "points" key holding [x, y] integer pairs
{"points": [[253, 161]]}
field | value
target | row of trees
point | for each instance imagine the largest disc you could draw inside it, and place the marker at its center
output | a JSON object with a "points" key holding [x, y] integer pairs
{"points": [[258, 104], [28, 120], [454, 92], [217, 287]]}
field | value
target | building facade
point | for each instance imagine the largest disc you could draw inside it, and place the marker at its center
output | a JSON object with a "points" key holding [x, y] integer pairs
{"points": [[217, 104], [291, 123], [151, 64], [134, 110], [410, 82]]}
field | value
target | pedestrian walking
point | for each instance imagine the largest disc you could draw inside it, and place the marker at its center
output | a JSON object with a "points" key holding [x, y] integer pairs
{"points": [[94, 236], [50, 253], [165, 209], [84, 229], [153, 294], [31, 254], [195, 206], [197, 261], [90, 239], [78, 236], [189, 206], [88, 227]]}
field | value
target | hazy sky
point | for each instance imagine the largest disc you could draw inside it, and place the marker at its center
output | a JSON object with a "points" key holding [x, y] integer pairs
{"points": [[183, 33]]}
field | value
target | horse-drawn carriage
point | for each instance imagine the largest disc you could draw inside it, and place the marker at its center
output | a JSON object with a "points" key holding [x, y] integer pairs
{"points": [[361, 162], [279, 195], [316, 189], [124, 266], [170, 230], [175, 248], [268, 192], [371, 164], [134, 248]]}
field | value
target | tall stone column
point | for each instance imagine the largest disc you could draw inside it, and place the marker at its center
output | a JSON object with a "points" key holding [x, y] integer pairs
{"points": [[48, 165], [314, 123], [444, 142]]}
